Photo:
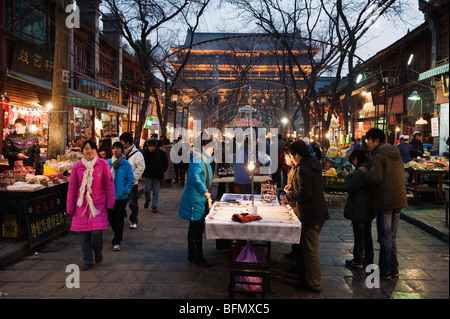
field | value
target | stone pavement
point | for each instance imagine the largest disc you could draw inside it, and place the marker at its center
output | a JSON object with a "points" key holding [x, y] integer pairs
{"points": [[153, 262]]}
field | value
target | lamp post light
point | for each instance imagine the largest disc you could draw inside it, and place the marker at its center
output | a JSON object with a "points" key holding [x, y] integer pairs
{"points": [[416, 97], [323, 101], [174, 99]]}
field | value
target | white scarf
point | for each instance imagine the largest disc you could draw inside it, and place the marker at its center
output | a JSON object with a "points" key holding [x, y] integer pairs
{"points": [[87, 183]]}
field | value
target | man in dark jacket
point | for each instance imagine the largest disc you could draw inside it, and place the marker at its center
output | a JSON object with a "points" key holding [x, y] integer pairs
{"points": [[24, 146], [387, 175], [307, 190], [156, 164]]}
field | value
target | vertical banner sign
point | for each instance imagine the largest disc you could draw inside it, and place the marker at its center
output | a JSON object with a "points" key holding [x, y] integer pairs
{"points": [[434, 126], [45, 217]]}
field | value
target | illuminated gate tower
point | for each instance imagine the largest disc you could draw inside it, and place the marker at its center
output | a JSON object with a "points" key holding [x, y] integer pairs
{"points": [[214, 82]]}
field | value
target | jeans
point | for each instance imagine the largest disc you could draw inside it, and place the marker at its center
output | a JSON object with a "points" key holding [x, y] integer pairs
{"points": [[116, 220], [387, 226], [91, 241], [133, 197], [152, 184], [363, 247]]}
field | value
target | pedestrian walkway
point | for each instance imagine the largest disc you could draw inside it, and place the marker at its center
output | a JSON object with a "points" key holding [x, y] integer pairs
{"points": [[153, 263]]}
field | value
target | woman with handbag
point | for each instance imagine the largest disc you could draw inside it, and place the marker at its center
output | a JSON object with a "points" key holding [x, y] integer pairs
{"points": [[197, 198]]}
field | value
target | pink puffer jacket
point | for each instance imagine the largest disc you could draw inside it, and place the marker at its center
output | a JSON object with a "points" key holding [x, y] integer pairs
{"points": [[103, 197]]}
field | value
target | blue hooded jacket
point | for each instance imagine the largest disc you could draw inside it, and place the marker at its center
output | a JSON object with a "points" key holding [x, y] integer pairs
{"points": [[124, 179], [193, 201]]}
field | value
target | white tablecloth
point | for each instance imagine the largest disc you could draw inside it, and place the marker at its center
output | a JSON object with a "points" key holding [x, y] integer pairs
{"points": [[230, 179], [278, 223]]}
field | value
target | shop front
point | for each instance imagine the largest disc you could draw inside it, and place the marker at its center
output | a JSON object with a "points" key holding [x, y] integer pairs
{"points": [[27, 97]]}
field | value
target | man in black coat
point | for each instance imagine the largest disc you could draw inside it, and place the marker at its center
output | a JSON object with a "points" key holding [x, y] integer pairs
{"points": [[24, 146], [156, 163]]}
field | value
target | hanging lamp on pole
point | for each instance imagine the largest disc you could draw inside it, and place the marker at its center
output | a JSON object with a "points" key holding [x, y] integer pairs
{"points": [[416, 97]]}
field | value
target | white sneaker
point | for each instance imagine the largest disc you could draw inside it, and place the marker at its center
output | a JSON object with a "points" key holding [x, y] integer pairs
{"points": [[133, 225], [116, 247]]}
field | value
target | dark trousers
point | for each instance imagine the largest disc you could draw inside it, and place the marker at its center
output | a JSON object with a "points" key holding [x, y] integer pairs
{"points": [[183, 171], [363, 247], [133, 197], [116, 220], [91, 243], [308, 262], [195, 240]]}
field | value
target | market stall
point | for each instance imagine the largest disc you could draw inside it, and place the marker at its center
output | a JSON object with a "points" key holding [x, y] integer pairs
{"points": [[429, 177], [235, 218], [35, 205]]}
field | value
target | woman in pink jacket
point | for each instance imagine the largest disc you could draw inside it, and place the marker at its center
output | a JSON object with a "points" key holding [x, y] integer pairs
{"points": [[91, 192]]}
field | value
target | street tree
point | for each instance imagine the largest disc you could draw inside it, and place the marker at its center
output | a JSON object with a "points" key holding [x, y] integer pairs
{"points": [[331, 31], [146, 26]]}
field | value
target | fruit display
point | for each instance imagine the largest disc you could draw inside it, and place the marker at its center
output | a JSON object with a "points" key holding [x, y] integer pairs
{"points": [[334, 178], [334, 173]]}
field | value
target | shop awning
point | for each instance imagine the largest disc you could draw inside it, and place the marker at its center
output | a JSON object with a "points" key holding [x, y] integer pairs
{"points": [[434, 71], [29, 79], [75, 97]]}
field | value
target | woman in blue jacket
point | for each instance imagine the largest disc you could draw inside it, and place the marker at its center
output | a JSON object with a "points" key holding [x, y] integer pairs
{"points": [[194, 202], [123, 176]]}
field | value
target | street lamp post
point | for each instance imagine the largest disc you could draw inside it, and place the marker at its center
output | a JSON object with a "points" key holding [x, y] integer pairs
{"points": [[323, 100], [174, 99]]}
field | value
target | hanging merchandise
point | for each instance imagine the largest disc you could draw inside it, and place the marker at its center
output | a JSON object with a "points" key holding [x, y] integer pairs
{"points": [[5, 106]]}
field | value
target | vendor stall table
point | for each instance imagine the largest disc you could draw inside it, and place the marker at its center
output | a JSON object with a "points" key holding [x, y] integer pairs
{"points": [[277, 224], [438, 191], [40, 213]]}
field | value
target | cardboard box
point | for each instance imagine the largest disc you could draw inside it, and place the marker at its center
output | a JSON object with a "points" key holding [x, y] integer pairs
{"points": [[10, 228]]}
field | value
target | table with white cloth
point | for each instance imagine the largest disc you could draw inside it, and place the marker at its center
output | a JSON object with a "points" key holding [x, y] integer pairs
{"points": [[278, 223]]}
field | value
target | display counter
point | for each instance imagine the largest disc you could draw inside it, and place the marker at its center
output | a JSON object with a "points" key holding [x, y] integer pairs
{"points": [[419, 187], [39, 214]]}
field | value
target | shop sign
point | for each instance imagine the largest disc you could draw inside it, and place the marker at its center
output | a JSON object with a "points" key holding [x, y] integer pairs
{"points": [[45, 217], [148, 123], [444, 81], [395, 105], [86, 102], [93, 85], [32, 60], [434, 126]]}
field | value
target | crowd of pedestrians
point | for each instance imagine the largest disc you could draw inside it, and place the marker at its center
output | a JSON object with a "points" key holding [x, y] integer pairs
{"points": [[106, 179]]}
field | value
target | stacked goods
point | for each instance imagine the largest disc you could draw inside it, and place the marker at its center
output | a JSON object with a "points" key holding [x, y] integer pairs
{"points": [[63, 162], [6, 179], [19, 173]]}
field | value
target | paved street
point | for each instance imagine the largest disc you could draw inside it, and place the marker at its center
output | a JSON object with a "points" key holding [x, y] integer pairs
{"points": [[153, 264]]}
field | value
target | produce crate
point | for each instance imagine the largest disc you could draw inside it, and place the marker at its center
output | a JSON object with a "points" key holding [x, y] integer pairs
{"points": [[334, 184]]}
